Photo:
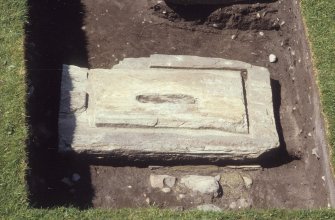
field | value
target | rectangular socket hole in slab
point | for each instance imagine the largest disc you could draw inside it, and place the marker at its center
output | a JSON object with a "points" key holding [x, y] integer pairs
{"points": [[166, 98]]}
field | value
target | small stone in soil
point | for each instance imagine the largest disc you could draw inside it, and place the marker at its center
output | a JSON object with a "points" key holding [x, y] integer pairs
{"points": [[247, 182], [232, 205], [201, 184], [209, 207], [216, 25], [233, 37], [166, 190], [181, 196], [315, 153], [67, 181], [169, 181], [158, 181], [75, 177], [272, 58]]}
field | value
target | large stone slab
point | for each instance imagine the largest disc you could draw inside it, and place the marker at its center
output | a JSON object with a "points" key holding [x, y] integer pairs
{"points": [[169, 98], [171, 106]]}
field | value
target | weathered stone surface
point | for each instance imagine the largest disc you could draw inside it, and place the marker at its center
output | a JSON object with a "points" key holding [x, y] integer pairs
{"points": [[232, 185], [166, 98], [159, 181], [73, 90], [171, 106], [247, 182], [169, 181], [201, 184]]}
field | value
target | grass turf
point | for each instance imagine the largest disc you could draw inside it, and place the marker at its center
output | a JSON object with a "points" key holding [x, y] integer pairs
{"points": [[320, 19]]}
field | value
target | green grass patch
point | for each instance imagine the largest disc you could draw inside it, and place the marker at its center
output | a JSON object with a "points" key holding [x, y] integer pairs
{"points": [[320, 18], [13, 130]]}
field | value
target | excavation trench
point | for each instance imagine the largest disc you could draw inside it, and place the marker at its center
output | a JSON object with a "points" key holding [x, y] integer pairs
{"points": [[98, 35]]}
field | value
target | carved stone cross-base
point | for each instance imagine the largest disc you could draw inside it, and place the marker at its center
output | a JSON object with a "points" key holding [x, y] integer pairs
{"points": [[167, 106]]}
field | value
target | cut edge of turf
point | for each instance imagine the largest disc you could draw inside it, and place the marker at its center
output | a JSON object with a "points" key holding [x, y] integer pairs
{"points": [[318, 70]]}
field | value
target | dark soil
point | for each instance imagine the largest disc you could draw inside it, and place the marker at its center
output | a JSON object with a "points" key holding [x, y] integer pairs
{"points": [[98, 34], [242, 17]]}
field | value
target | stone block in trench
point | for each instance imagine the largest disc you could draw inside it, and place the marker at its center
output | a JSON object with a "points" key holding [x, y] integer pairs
{"points": [[167, 106]]}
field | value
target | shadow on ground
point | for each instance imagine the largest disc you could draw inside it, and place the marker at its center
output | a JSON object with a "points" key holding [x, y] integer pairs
{"points": [[53, 37]]}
